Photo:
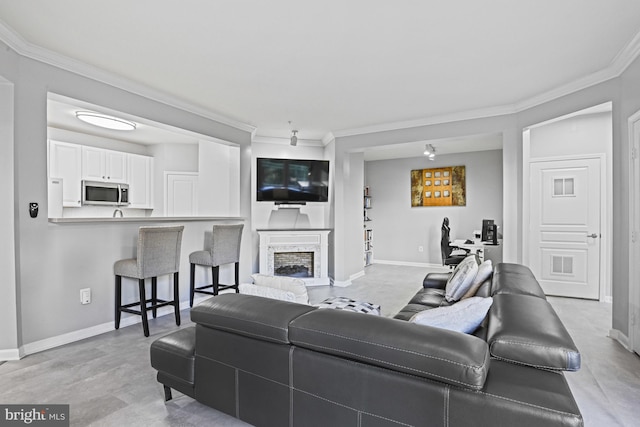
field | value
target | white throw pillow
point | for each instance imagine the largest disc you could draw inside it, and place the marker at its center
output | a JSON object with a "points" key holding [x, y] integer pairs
{"points": [[484, 272], [464, 316], [284, 283], [461, 279]]}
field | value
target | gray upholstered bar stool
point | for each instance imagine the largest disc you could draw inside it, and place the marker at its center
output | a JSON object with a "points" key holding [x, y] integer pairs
{"points": [[222, 248], [158, 254]]}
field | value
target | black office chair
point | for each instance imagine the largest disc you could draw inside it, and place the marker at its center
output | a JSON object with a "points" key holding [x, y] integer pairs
{"points": [[451, 255]]}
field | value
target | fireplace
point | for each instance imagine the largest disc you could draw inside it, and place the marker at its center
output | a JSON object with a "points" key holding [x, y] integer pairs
{"points": [[301, 253], [293, 264]]}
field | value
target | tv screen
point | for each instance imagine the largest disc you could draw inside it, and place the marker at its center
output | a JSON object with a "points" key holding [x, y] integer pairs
{"points": [[292, 180]]}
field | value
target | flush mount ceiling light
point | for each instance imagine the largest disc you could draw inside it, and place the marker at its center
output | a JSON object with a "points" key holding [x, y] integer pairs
{"points": [[430, 151], [104, 121]]}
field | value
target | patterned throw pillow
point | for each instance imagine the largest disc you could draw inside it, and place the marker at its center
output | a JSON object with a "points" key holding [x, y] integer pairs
{"points": [[461, 279], [485, 271]]}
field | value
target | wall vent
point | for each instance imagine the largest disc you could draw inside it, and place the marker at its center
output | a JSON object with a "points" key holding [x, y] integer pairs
{"points": [[561, 264]]}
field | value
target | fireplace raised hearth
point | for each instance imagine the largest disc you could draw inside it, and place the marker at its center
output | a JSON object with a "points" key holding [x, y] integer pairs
{"points": [[296, 253]]}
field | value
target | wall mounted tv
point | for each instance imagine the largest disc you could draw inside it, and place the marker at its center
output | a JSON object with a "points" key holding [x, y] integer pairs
{"points": [[292, 181]]}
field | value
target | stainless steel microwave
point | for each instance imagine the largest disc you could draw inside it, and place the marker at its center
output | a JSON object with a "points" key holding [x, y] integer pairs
{"points": [[105, 193]]}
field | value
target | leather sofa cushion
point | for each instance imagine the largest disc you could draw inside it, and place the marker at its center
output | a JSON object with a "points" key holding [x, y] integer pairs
{"points": [[438, 354], [526, 330], [515, 279], [436, 280], [249, 315]]}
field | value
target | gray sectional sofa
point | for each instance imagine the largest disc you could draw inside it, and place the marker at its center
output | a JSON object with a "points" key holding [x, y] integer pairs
{"points": [[277, 363]]}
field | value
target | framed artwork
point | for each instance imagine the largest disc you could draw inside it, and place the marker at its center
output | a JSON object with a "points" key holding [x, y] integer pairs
{"points": [[439, 187]]}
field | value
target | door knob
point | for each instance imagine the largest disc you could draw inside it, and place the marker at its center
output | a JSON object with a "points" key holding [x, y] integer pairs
{"points": [[592, 235]]}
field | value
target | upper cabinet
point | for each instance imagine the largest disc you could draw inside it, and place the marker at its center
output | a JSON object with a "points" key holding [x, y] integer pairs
{"points": [[65, 162], [140, 181], [73, 163], [104, 165]]}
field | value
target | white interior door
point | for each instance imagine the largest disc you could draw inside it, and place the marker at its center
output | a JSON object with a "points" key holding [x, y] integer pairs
{"points": [[565, 214], [182, 194]]}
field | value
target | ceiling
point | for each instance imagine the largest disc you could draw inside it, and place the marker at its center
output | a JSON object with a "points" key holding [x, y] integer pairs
{"points": [[338, 67]]}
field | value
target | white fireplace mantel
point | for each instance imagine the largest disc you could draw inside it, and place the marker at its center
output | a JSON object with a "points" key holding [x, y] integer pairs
{"points": [[314, 240]]}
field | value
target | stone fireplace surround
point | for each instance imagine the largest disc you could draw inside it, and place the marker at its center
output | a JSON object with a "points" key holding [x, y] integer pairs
{"points": [[297, 240]]}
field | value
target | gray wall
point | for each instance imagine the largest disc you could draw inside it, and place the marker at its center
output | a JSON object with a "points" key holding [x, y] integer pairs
{"points": [[53, 261], [399, 229]]}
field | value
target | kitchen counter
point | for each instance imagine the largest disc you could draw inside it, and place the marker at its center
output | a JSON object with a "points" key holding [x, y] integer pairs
{"points": [[144, 219]]}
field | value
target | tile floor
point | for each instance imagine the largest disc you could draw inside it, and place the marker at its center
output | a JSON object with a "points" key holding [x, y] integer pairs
{"points": [[108, 381]]}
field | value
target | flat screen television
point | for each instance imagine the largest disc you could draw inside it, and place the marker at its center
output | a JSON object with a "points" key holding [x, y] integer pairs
{"points": [[292, 181]]}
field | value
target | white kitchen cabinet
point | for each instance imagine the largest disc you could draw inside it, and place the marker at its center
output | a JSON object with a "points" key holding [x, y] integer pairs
{"points": [[65, 162], [140, 181], [99, 164]]}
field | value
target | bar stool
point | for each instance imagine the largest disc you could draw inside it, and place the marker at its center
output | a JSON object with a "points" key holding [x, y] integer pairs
{"points": [[222, 248], [158, 254]]}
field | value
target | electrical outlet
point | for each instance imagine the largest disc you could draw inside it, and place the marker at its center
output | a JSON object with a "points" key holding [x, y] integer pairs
{"points": [[85, 296], [420, 248]]}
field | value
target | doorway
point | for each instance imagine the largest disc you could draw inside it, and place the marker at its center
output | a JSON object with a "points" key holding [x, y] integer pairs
{"points": [[564, 244], [567, 203]]}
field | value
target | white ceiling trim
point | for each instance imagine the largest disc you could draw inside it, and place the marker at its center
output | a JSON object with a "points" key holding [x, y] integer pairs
{"points": [[286, 141], [622, 60], [16, 42]]}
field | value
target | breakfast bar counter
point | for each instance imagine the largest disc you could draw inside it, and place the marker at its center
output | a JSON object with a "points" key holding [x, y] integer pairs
{"points": [[144, 219]]}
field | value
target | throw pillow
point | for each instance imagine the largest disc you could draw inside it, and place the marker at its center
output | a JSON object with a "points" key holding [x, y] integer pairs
{"points": [[464, 316], [485, 271], [461, 279]]}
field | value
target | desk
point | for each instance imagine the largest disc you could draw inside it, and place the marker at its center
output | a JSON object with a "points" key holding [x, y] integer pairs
{"points": [[484, 251]]}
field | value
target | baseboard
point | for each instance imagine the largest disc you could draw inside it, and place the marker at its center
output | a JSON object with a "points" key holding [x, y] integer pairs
{"points": [[620, 337], [11, 354], [608, 299], [340, 283], [57, 341]]}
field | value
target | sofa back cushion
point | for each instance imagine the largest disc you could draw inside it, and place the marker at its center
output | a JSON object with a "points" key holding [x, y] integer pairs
{"points": [[438, 354], [526, 330], [249, 315], [515, 279]]}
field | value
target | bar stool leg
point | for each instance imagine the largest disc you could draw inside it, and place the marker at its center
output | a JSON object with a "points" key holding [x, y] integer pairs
{"points": [[143, 308], [176, 297], [192, 288], [154, 296], [118, 300], [215, 277], [237, 277]]}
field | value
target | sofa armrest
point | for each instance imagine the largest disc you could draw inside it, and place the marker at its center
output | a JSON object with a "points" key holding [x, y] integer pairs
{"points": [[437, 354], [525, 329], [436, 280]]}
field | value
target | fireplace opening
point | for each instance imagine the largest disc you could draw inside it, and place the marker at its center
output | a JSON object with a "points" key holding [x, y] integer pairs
{"points": [[293, 264]]}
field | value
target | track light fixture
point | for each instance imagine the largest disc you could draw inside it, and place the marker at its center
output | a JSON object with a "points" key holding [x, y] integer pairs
{"points": [[430, 151], [294, 138]]}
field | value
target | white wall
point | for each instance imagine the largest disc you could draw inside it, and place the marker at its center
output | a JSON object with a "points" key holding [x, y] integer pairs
{"points": [[399, 229], [218, 179], [8, 303]]}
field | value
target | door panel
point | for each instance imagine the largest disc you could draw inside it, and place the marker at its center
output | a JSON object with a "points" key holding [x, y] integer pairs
{"points": [[565, 226]]}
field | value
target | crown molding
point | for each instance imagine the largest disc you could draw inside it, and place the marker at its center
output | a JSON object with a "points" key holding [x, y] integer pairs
{"points": [[17, 43], [286, 141], [618, 65], [434, 120]]}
